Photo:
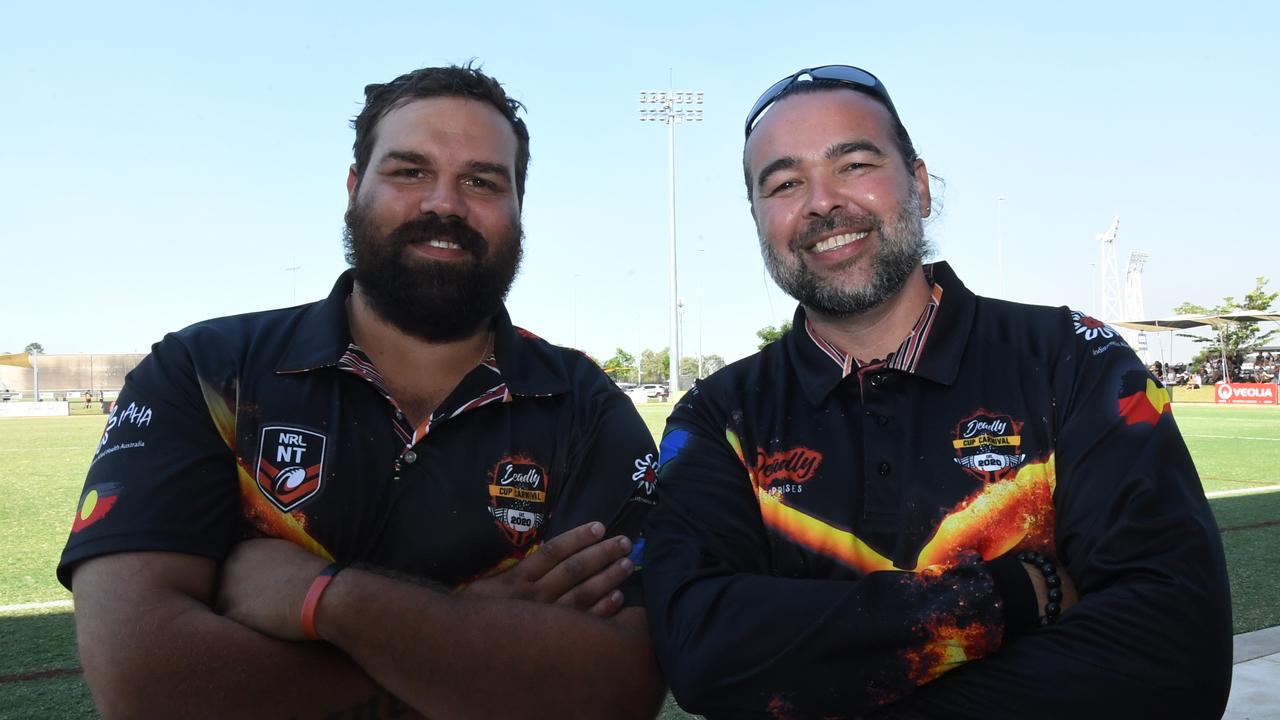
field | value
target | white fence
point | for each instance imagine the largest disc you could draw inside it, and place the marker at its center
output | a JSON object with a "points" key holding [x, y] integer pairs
{"points": [[54, 408]]}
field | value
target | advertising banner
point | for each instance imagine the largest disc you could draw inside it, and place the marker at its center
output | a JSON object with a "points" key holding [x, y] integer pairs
{"points": [[1245, 393]]}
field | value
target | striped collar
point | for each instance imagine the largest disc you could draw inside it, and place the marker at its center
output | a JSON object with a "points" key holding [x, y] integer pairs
{"points": [[932, 349], [481, 386], [905, 358]]}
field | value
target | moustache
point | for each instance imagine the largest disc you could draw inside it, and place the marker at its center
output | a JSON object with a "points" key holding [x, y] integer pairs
{"points": [[433, 227], [840, 220]]}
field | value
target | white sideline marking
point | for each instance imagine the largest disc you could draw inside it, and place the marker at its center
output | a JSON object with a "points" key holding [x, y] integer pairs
{"points": [[1245, 491], [1231, 437], [7, 609], [38, 449]]}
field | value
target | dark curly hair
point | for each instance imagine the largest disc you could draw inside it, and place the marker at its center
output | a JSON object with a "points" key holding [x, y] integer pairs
{"points": [[900, 135], [452, 81]]}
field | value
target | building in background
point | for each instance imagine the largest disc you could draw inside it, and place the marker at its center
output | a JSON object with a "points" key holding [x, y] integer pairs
{"points": [[58, 375]]}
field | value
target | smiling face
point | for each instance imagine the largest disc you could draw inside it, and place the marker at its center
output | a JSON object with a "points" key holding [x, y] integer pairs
{"points": [[837, 212], [433, 225]]}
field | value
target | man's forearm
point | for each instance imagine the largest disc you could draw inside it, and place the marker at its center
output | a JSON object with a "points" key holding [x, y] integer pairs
{"points": [[153, 651], [481, 657], [212, 667]]}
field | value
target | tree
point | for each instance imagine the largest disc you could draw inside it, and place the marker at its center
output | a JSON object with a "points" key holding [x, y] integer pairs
{"points": [[1234, 339], [710, 364], [688, 367], [771, 334], [34, 349], [655, 365], [620, 367]]}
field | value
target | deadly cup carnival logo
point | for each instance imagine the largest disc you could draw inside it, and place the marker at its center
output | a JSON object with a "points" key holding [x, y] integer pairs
{"points": [[518, 498], [988, 445]]}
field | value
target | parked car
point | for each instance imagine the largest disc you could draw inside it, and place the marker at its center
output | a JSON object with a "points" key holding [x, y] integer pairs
{"points": [[6, 394], [656, 390]]}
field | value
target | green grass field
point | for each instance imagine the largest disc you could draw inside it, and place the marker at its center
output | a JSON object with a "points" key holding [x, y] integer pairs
{"points": [[43, 461]]}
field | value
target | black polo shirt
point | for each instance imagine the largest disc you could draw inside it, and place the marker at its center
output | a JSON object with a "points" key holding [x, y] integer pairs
{"points": [[275, 423], [830, 536]]}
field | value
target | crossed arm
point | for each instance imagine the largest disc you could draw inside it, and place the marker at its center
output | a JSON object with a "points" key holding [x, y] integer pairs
{"points": [[548, 635]]}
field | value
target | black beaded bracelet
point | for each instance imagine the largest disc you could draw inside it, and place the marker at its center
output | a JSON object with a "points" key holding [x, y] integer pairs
{"points": [[1053, 584]]}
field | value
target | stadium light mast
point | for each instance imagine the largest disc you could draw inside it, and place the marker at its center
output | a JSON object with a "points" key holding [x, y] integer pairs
{"points": [[671, 107], [293, 270]]}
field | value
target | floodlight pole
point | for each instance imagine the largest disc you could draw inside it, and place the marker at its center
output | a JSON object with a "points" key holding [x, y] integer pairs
{"points": [[672, 107], [294, 271], [701, 309]]}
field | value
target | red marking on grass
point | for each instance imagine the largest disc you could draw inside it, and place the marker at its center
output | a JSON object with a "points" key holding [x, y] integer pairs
{"points": [[40, 675]]}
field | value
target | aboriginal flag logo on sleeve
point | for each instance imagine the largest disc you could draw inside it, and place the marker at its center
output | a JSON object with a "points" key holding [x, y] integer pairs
{"points": [[518, 498], [1141, 400], [95, 504], [290, 465]]}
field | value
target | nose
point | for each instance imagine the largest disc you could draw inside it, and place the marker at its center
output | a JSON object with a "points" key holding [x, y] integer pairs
{"points": [[822, 198], [444, 199]]}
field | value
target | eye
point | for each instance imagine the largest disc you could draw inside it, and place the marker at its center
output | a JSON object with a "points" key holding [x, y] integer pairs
{"points": [[484, 184], [408, 173], [782, 187]]}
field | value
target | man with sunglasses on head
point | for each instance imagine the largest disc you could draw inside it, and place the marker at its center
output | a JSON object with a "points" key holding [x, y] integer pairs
{"points": [[399, 451], [921, 503]]}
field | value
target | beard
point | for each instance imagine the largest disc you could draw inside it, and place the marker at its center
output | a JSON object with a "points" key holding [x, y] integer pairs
{"points": [[431, 300], [903, 247]]}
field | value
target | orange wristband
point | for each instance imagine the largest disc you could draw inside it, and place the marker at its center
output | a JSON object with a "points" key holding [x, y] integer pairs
{"points": [[312, 600]]}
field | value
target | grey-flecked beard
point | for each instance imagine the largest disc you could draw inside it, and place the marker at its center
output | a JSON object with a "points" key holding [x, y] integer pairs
{"points": [[903, 246]]}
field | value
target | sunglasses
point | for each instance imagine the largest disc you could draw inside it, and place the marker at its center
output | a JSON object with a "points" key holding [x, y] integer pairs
{"points": [[845, 75]]}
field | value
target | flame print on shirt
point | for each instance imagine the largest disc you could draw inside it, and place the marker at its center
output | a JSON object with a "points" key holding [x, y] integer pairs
{"points": [[1016, 512], [952, 639], [257, 510], [993, 520], [1142, 399]]}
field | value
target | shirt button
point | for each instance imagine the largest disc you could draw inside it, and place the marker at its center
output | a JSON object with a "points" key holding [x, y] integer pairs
{"points": [[882, 420], [883, 468], [399, 415], [876, 381], [411, 457]]}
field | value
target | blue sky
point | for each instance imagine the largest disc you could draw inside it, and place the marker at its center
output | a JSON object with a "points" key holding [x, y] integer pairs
{"points": [[168, 163]]}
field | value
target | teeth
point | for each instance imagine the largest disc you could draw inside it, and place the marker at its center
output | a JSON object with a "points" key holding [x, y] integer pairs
{"points": [[832, 243], [443, 244]]}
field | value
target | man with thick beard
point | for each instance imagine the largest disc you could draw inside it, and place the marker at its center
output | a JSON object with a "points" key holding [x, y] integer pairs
{"points": [[333, 510], [921, 503]]}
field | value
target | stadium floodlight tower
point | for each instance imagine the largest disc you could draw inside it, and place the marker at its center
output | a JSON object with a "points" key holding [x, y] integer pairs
{"points": [[671, 107], [1111, 306], [1133, 309]]}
